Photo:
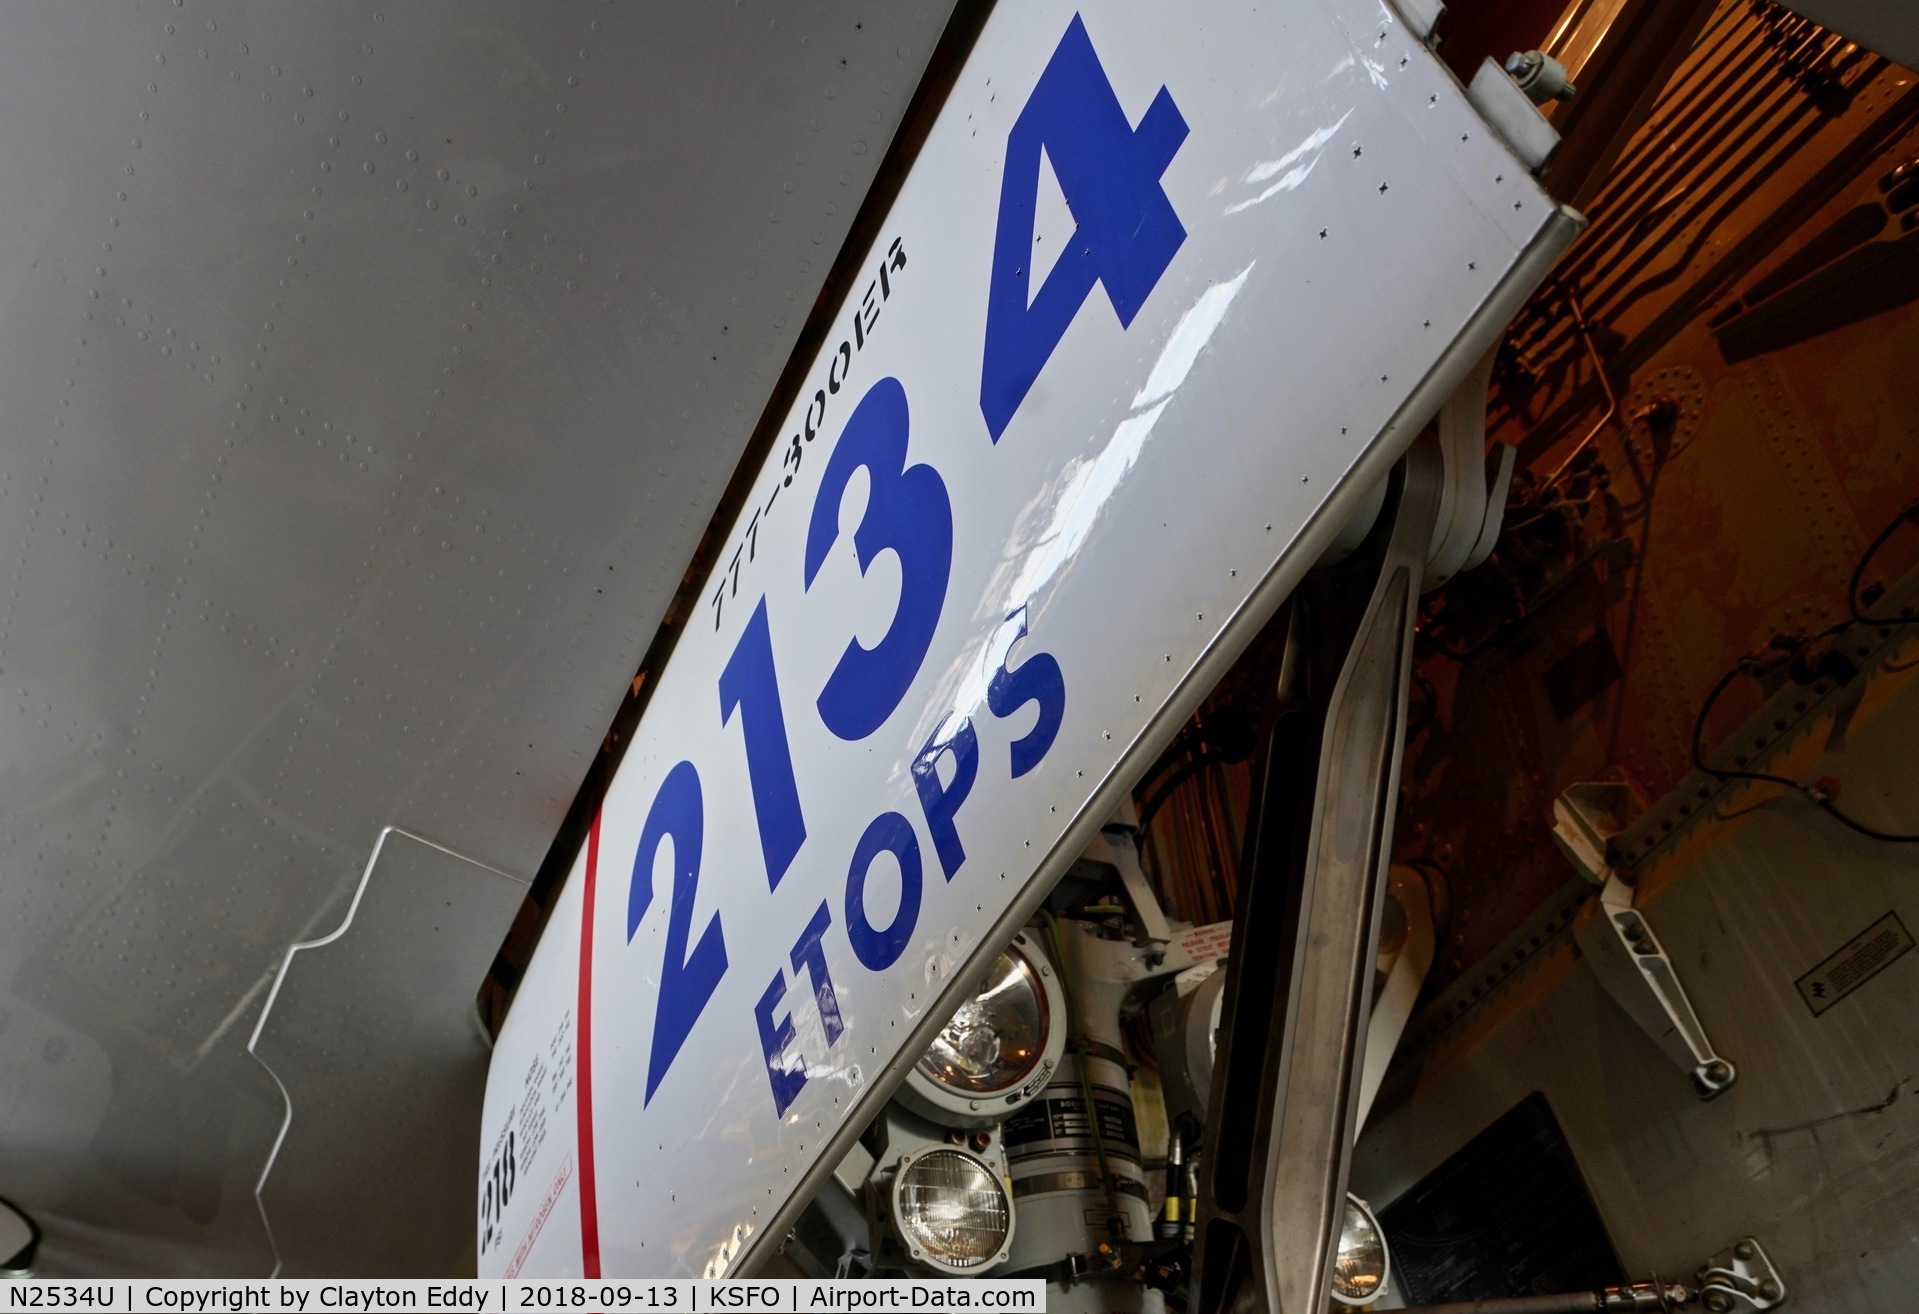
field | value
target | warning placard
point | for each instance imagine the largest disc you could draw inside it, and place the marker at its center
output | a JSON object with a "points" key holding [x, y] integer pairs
{"points": [[1204, 944], [1863, 957]]}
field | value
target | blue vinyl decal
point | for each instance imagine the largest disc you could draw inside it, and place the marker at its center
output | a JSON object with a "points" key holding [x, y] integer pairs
{"points": [[1127, 234]]}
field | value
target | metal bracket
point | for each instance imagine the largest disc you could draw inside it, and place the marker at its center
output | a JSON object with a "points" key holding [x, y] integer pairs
{"points": [[1540, 76], [1118, 845], [1635, 970], [1619, 942], [1511, 113], [1405, 975], [1741, 1278], [1420, 16], [1473, 488], [1586, 818], [1472, 498]]}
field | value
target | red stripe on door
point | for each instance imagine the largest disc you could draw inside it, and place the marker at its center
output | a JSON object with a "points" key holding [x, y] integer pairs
{"points": [[583, 1078]]}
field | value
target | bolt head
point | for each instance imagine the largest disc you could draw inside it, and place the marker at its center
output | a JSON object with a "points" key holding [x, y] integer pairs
{"points": [[1744, 1250], [1719, 1302], [1770, 1289]]}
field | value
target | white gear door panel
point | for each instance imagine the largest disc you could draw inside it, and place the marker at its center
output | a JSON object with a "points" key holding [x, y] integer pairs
{"points": [[1167, 287]]}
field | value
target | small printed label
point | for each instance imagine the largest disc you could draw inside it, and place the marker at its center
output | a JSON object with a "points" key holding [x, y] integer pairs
{"points": [[1205, 944], [1863, 957], [1060, 1122]]}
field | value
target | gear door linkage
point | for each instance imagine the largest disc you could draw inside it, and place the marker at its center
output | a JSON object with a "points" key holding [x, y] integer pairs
{"points": [[1619, 942]]}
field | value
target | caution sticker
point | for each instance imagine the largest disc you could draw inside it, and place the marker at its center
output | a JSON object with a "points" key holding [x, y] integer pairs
{"points": [[1863, 957]]}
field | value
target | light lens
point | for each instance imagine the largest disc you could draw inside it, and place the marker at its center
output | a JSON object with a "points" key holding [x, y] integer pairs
{"points": [[1359, 1269], [950, 1206], [997, 1036]]}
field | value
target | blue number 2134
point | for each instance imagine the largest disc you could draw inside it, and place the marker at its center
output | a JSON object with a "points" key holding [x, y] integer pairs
{"points": [[908, 513]]}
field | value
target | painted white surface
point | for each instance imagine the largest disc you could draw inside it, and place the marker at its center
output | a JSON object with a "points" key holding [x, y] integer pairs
{"points": [[1345, 215]]}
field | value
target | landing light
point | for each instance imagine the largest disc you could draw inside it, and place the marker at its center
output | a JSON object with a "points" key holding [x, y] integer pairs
{"points": [[996, 1037], [1361, 1266], [952, 1210], [997, 1048]]}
